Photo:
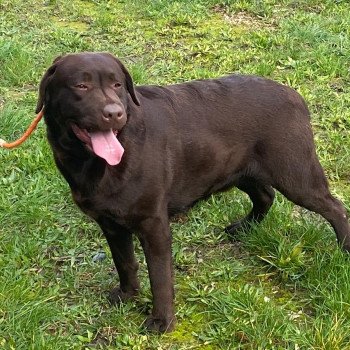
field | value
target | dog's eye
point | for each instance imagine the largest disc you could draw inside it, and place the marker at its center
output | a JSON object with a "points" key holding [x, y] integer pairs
{"points": [[81, 86], [117, 85]]}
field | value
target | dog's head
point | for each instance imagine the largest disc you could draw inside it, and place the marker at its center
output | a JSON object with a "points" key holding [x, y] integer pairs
{"points": [[88, 94]]}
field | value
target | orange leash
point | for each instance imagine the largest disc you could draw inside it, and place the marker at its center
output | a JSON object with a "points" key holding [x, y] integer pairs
{"points": [[30, 129]]}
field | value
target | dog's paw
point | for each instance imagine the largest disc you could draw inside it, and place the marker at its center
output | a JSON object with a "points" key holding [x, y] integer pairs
{"points": [[160, 325], [116, 295], [234, 228]]}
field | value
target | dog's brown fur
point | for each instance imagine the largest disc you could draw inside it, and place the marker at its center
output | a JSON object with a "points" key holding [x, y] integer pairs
{"points": [[182, 142]]}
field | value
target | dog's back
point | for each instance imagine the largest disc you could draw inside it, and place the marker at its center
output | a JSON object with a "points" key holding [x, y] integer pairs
{"points": [[239, 125]]}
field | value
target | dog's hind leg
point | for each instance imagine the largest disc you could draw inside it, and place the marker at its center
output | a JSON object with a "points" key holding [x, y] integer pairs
{"points": [[308, 187], [262, 197]]}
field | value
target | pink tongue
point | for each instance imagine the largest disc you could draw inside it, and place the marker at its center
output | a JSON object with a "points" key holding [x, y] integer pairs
{"points": [[106, 145]]}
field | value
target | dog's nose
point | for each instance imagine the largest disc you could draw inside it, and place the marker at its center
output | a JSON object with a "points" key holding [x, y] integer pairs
{"points": [[112, 111]]}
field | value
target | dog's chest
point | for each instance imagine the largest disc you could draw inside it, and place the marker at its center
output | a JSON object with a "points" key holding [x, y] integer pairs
{"points": [[98, 204]]}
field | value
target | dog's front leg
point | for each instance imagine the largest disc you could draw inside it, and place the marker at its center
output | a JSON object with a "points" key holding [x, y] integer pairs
{"points": [[120, 242], [155, 238]]}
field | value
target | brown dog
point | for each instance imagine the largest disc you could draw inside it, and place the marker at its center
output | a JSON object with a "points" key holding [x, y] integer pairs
{"points": [[135, 156]]}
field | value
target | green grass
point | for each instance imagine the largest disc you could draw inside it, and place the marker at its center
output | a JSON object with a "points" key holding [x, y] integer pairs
{"points": [[284, 285]]}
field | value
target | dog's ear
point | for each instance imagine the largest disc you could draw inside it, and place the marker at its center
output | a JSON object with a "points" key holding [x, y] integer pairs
{"points": [[129, 84], [44, 83], [128, 79]]}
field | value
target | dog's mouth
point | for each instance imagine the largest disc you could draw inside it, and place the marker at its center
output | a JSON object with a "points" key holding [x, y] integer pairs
{"points": [[102, 143]]}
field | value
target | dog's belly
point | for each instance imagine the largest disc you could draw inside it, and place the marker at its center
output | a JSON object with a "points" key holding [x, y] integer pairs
{"points": [[184, 197]]}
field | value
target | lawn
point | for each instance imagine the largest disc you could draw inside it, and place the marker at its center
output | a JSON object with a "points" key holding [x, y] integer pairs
{"points": [[282, 285]]}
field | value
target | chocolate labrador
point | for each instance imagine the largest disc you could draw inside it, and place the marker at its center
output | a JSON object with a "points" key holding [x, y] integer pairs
{"points": [[134, 156]]}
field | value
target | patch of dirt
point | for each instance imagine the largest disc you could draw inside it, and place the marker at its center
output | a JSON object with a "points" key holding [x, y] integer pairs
{"points": [[243, 19]]}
